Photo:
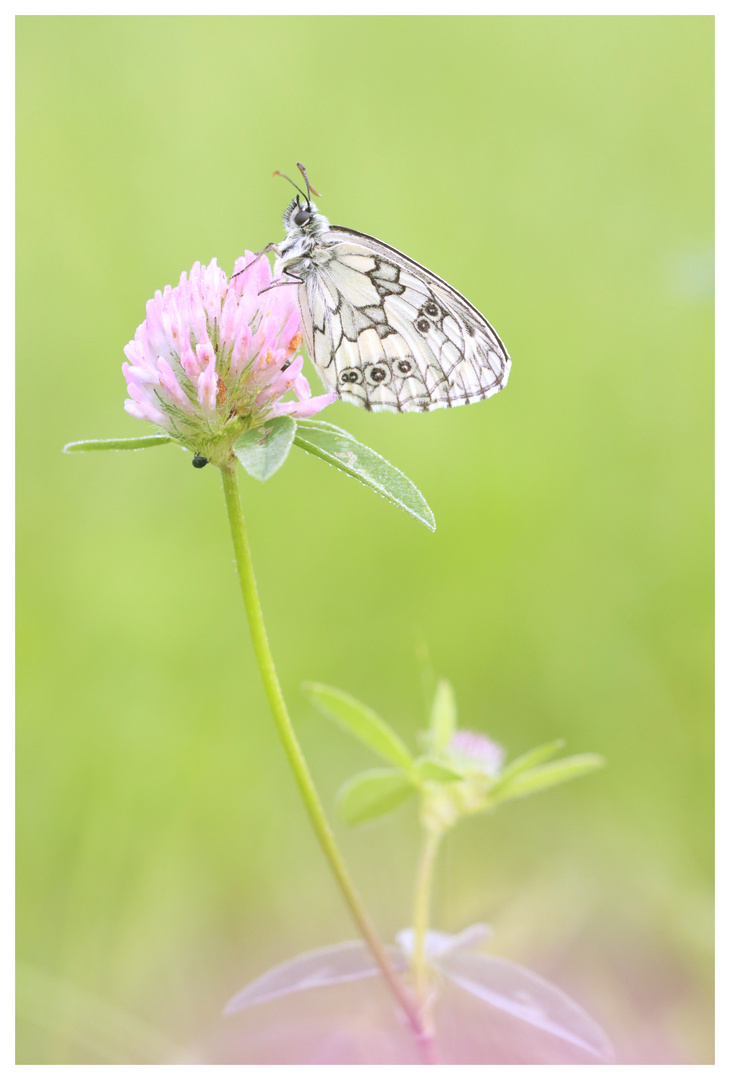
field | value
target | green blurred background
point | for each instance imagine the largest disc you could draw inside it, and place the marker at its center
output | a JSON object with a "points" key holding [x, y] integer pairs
{"points": [[559, 171]]}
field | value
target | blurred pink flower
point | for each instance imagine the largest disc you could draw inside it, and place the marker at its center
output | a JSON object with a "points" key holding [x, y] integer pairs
{"points": [[478, 752], [215, 357]]}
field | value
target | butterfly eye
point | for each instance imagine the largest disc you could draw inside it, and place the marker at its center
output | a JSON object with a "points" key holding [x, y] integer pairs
{"points": [[302, 217], [199, 462]]}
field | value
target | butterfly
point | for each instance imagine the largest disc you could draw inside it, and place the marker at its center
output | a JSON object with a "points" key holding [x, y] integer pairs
{"points": [[382, 331]]}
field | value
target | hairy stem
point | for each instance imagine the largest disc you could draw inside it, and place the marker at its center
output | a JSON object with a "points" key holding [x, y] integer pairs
{"points": [[300, 769]]}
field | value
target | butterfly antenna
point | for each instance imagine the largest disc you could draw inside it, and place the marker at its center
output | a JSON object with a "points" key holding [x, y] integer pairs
{"points": [[303, 171], [277, 173]]}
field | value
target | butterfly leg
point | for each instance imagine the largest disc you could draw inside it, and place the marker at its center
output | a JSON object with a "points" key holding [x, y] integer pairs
{"points": [[293, 280], [257, 256]]}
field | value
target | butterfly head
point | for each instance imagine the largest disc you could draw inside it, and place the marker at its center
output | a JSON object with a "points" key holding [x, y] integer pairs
{"points": [[304, 219]]}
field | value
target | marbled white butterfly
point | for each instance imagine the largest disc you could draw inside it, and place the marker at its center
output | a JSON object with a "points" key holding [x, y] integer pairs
{"points": [[382, 331]]}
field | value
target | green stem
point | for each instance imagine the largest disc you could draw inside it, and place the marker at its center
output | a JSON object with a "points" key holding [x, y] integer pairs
{"points": [[299, 766], [421, 910]]}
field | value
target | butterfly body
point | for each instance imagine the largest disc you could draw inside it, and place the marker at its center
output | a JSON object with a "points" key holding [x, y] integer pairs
{"points": [[382, 331]]}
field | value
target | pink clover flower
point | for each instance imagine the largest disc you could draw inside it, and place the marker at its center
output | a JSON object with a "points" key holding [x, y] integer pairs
{"points": [[214, 357]]}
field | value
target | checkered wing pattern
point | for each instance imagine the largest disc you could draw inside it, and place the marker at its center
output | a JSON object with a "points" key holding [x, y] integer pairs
{"points": [[387, 334]]}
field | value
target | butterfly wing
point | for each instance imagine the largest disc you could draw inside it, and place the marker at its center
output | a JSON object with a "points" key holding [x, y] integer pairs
{"points": [[387, 334]]}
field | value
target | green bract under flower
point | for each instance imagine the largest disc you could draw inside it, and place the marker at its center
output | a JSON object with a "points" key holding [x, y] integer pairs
{"points": [[215, 357]]}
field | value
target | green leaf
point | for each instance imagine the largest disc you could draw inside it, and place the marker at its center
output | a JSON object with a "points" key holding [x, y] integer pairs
{"points": [[529, 760], [117, 444], [429, 769], [443, 715], [340, 449], [372, 794], [545, 776], [263, 450], [361, 721]]}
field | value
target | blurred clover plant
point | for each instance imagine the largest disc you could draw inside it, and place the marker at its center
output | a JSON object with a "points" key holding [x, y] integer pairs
{"points": [[458, 774]]}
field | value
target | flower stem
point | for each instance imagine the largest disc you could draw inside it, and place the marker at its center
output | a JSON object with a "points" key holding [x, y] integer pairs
{"points": [[421, 909], [299, 766]]}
